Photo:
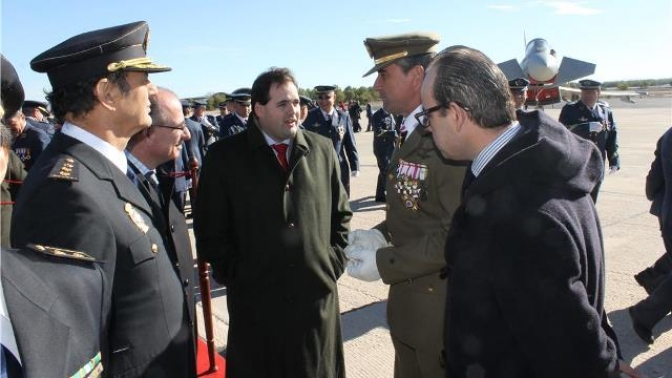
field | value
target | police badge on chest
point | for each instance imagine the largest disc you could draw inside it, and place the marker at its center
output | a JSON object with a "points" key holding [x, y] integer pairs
{"points": [[410, 184]]}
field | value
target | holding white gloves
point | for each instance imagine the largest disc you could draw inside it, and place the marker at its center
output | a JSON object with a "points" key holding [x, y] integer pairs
{"points": [[361, 253]]}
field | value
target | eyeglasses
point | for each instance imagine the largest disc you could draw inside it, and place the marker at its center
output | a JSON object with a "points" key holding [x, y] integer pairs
{"points": [[423, 116], [180, 127]]}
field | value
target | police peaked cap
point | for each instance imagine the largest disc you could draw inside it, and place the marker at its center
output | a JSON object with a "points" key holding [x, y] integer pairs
{"points": [[589, 84], [96, 54], [11, 91]]}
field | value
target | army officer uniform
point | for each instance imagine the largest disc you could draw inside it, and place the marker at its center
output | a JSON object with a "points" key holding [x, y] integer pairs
{"points": [[423, 191]]}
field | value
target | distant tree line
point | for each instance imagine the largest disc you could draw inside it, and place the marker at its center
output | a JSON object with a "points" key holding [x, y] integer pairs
{"points": [[364, 94], [627, 84], [361, 94]]}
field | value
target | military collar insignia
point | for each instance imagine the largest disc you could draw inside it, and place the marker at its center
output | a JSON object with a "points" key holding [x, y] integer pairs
{"points": [[65, 168]]}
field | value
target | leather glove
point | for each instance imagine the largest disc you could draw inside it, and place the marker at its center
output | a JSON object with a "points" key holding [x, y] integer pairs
{"points": [[355, 173], [613, 169], [362, 264], [369, 239]]}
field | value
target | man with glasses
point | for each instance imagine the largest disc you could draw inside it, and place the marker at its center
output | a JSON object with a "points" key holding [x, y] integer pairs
{"points": [[525, 258], [423, 191], [81, 196], [336, 125]]}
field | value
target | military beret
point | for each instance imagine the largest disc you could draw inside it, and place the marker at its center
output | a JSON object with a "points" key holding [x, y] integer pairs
{"points": [[519, 84], [305, 100], [200, 103], [589, 84], [386, 50], [324, 88], [11, 93], [97, 53]]}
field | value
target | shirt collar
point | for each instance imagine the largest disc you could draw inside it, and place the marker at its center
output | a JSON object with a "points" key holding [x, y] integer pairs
{"points": [[410, 123], [270, 141], [118, 158], [484, 157], [137, 163]]}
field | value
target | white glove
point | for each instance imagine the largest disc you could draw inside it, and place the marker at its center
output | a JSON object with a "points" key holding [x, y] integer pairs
{"points": [[362, 264], [613, 169], [355, 173], [369, 239]]}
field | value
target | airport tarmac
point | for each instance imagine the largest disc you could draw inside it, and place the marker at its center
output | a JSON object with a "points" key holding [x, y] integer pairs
{"points": [[631, 236]]}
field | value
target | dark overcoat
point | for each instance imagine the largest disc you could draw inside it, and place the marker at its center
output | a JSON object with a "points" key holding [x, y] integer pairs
{"points": [[526, 263], [75, 198], [276, 240]]}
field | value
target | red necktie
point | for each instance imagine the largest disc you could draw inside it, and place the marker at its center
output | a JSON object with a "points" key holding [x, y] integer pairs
{"points": [[281, 150]]}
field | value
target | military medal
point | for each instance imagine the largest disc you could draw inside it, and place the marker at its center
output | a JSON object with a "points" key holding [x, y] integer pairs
{"points": [[136, 218], [410, 184]]}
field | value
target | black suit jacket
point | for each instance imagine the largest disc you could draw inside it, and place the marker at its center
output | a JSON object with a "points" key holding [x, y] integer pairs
{"points": [[75, 198]]}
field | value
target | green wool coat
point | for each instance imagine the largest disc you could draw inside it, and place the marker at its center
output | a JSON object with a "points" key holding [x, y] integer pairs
{"points": [[276, 240]]}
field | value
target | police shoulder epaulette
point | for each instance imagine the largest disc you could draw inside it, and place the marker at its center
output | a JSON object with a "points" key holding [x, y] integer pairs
{"points": [[60, 252], [66, 168]]}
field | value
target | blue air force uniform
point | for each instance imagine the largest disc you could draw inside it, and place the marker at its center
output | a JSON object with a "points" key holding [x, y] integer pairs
{"points": [[384, 139], [339, 130], [231, 125], [596, 124], [29, 145]]}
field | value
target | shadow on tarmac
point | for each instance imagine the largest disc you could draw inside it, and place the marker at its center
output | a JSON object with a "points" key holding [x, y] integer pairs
{"points": [[366, 204], [360, 321], [632, 345]]}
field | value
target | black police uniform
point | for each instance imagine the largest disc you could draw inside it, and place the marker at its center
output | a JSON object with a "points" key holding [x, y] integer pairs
{"points": [[75, 198], [29, 145], [341, 134], [59, 293], [384, 140]]}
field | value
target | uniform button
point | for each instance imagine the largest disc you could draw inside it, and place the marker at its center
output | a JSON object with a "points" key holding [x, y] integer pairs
{"points": [[172, 227], [177, 264], [290, 225], [155, 248], [287, 188], [430, 289], [191, 324], [186, 282]]}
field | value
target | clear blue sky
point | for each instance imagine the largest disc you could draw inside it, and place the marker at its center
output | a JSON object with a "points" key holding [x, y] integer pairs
{"points": [[221, 45]]}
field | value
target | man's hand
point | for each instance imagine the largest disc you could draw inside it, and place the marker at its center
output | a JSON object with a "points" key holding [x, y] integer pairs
{"points": [[628, 370], [369, 239], [362, 263], [355, 173], [613, 169]]}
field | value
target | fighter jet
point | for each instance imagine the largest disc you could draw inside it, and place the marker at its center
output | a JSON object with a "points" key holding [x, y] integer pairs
{"points": [[546, 74]]}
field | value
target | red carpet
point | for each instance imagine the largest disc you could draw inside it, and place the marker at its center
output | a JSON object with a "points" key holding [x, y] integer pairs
{"points": [[203, 365]]}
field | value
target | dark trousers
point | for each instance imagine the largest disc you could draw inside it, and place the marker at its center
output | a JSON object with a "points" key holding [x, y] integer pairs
{"points": [[383, 160], [657, 305], [345, 177]]}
